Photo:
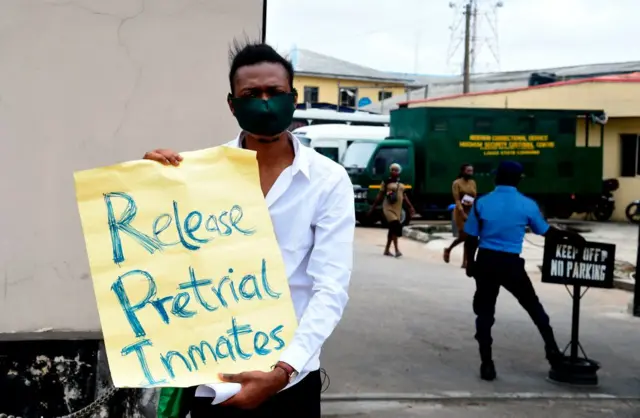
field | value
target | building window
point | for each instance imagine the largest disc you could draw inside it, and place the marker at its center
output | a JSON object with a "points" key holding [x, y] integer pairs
{"points": [[384, 95], [348, 96], [629, 155], [310, 94]]}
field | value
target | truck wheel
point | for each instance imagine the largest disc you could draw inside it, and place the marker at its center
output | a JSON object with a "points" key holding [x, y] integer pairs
{"points": [[603, 212], [562, 212]]}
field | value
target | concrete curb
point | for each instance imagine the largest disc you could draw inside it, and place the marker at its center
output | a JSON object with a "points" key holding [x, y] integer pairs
{"points": [[469, 396], [416, 235], [623, 284]]}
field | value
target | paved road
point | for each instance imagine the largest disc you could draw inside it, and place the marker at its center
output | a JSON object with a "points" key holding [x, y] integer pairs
{"points": [[409, 329]]}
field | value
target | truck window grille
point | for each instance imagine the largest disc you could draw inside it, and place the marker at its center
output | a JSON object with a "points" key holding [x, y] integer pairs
{"points": [[526, 125], [529, 169], [567, 126], [483, 125], [483, 168], [439, 125]]}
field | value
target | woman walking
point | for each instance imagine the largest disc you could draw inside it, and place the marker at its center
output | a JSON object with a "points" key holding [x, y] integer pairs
{"points": [[393, 198], [464, 193]]}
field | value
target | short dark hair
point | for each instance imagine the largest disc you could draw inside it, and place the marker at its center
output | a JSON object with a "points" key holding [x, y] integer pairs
{"points": [[463, 167], [243, 54]]}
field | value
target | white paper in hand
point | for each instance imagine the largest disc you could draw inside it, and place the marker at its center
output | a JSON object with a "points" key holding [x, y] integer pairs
{"points": [[220, 392]]}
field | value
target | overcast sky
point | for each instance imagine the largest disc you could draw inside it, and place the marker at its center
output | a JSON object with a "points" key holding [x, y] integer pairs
{"points": [[385, 34]]}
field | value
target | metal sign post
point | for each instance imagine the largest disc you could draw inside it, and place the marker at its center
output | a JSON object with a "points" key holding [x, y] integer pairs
{"points": [[591, 267]]}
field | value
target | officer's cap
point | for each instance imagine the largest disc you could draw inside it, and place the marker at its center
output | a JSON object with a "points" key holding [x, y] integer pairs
{"points": [[509, 168]]}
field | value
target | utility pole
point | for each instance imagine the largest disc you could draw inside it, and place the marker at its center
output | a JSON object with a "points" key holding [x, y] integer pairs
{"points": [[474, 41], [475, 26], [467, 47]]}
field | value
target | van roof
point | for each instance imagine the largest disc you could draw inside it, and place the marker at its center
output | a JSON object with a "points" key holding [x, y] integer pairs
{"points": [[328, 114], [343, 131]]}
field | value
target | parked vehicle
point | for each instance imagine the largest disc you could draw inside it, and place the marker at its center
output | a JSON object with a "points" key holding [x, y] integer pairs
{"points": [[313, 117], [633, 212], [334, 140], [563, 172], [604, 207]]}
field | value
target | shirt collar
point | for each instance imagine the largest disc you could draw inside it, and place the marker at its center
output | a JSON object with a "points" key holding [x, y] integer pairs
{"points": [[502, 188], [300, 159]]}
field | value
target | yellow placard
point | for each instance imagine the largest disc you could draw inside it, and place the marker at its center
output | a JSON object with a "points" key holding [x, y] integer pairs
{"points": [[187, 272]]}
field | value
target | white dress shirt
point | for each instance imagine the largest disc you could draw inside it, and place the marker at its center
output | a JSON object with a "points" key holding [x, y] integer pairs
{"points": [[312, 210]]}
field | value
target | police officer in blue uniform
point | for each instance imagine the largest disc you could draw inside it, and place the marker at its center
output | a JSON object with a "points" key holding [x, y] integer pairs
{"points": [[496, 227]]}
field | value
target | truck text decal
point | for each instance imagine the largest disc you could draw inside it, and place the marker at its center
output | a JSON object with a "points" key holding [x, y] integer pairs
{"points": [[495, 145]]}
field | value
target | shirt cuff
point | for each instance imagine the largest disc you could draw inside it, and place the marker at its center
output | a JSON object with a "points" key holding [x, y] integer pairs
{"points": [[295, 357]]}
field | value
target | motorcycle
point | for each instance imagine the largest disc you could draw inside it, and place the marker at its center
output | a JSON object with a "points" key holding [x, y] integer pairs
{"points": [[633, 212], [606, 204]]}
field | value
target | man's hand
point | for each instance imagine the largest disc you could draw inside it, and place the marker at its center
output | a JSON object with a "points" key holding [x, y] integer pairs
{"points": [[164, 156], [576, 239], [257, 387], [470, 270]]}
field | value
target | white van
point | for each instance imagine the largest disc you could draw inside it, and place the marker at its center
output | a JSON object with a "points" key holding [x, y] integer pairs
{"points": [[333, 140], [313, 117]]}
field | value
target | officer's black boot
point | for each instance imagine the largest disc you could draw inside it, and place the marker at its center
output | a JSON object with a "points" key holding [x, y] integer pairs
{"points": [[487, 368], [553, 353]]}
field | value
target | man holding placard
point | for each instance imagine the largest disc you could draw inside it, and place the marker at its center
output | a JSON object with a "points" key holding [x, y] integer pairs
{"points": [[311, 204], [496, 225]]}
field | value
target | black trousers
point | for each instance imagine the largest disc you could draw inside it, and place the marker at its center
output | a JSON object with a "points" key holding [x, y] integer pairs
{"points": [[497, 269], [302, 400]]}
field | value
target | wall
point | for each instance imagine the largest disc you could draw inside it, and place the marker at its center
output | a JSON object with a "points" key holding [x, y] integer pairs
{"points": [[57, 378], [328, 88], [629, 186], [88, 83]]}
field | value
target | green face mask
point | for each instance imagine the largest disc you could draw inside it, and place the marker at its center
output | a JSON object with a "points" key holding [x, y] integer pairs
{"points": [[261, 117]]}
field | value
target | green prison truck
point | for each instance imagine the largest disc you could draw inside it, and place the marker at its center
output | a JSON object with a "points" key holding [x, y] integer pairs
{"points": [[560, 150]]}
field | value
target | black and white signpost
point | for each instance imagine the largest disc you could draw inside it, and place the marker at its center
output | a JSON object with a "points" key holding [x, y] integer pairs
{"points": [[591, 267]]}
